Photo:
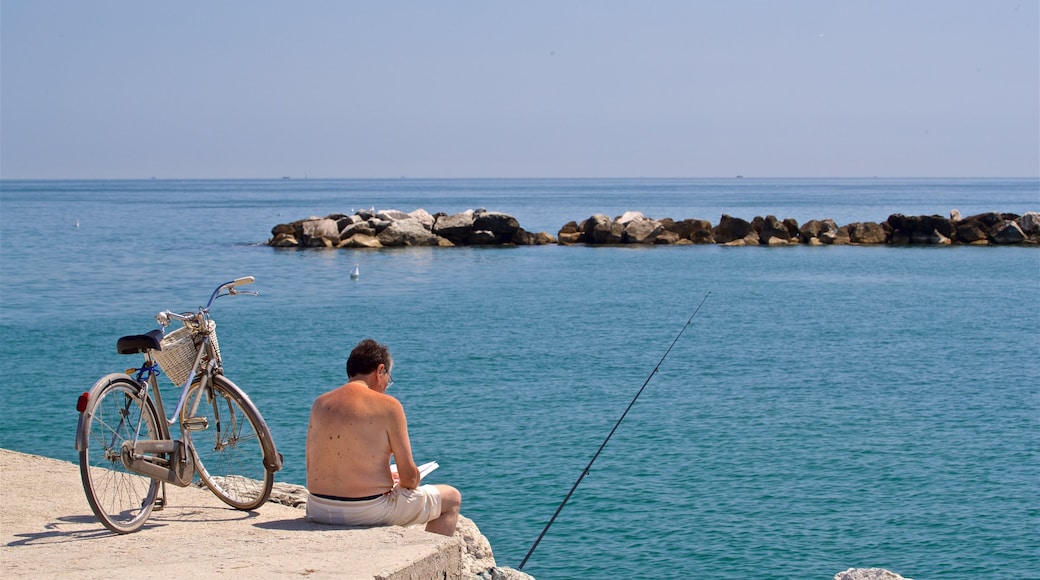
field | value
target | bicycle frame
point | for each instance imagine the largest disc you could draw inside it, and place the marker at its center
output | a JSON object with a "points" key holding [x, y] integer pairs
{"points": [[142, 455]]}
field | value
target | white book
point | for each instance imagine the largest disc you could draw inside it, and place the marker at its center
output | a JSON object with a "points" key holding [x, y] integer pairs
{"points": [[424, 469]]}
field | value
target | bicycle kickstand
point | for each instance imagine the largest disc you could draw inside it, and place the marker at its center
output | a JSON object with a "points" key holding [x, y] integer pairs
{"points": [[160, 502]]}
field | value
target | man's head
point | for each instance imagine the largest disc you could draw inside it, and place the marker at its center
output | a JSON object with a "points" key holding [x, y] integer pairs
{"points": [[366, 358]]}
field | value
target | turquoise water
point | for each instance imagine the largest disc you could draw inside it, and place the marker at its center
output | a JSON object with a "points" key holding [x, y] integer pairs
{"points": [[828, 407]]}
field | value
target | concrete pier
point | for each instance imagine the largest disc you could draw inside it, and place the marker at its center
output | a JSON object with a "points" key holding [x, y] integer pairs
{"points": [[47, 530]]}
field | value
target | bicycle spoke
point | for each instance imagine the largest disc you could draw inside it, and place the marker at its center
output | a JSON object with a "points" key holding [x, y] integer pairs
{"points": [[229, 452], [121, 499]]}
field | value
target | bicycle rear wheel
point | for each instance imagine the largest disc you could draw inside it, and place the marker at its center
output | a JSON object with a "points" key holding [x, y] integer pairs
{"points": [[121, 499], [229, 455]]}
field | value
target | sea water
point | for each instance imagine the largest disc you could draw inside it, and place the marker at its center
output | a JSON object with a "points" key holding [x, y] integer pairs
{"points": [[827, 407]]}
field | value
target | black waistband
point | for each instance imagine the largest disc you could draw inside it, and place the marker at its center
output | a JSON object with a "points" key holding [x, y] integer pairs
{"points": [[338, 498]]}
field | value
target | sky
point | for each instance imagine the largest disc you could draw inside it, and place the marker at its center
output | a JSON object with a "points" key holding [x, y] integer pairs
{"points": [[112, 89]]}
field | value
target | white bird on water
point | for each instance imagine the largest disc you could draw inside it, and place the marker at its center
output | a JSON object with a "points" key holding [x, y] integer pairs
{"points": [[355, 273]]}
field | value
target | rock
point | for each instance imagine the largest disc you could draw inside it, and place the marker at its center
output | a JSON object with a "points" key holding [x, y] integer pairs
{"points": [[424, 218], [899, 238], [596, 229], [455, 227], [988, 219], [868, 574], [1007, 232], [283, 229], [792, 228], [502, 227], [1030, 223], [641, 231], [363, 228], [407, 232], [361, 241], [828, 225], [939, 239], [544, 238], [378, 224], [321, 232], [284, 241], [840, 237], [935, 223], [698, 231], [867, 233], [344, 221], [288, 494], [920, 237], [730, 229], [630, 216], [899, 222], [772, 232], [668, 237], [813, 228], [481, 238], [971, 231], [616, 234], [569, 233], [918, 229], [503, 574], [476, 549], [392, 215], [756, 224], [599, 229]]}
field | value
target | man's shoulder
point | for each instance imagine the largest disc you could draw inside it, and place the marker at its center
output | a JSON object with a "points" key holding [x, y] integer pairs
{"points": [[362, 395]]}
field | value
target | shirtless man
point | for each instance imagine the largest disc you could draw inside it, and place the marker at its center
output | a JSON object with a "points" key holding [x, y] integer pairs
{"points": [[353, 432]]}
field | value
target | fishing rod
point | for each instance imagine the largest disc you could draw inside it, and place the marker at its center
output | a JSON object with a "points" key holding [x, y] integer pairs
{"points": [[611, 434]]}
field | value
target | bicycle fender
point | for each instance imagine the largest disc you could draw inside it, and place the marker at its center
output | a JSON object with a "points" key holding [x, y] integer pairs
{"points": [[91, 393], [272, 458]]}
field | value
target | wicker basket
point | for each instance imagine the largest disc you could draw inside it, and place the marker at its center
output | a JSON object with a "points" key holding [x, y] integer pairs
{"points": [[179, 350]]}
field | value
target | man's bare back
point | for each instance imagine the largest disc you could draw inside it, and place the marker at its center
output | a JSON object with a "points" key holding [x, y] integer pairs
{"points": [[348, 443]]}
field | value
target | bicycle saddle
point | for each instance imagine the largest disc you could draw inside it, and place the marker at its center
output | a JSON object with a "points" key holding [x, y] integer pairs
{"points": [[138, 343]]}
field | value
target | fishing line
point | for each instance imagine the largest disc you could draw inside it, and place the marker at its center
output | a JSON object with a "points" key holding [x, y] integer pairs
{"points": [[611, 434]]}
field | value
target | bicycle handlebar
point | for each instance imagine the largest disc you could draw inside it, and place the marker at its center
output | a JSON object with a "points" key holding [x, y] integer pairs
{"points": [[230, 287], [163, 318]]}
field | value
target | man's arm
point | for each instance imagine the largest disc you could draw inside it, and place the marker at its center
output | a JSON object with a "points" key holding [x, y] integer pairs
{"points": [[401, 447]]}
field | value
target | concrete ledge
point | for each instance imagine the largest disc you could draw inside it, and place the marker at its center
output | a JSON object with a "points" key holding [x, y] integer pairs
{"points": [[48, 530]]}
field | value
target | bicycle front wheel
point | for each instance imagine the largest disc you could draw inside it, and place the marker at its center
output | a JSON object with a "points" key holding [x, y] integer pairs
{"points": [[229, 455], [121, 499]]}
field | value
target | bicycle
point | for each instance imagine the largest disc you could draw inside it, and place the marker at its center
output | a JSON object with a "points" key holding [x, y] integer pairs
{"points": [[125, 445]]}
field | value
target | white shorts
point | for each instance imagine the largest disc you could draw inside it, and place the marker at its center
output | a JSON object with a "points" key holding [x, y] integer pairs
{"points": [[399, 507]]}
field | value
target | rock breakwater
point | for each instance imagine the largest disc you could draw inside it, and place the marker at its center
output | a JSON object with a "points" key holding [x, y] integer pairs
{"points": [[393, 228], [635, 228]]}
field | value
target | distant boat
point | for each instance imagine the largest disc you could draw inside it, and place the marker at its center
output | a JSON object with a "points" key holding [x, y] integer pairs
{"points": [[355, 273]]}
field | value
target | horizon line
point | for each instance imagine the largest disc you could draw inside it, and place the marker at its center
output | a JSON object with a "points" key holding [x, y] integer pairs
{"points": [[573, 178]]}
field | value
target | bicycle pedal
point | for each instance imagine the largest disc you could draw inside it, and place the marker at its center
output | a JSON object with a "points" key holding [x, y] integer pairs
{"points": [[160, 503], [195, 424]]}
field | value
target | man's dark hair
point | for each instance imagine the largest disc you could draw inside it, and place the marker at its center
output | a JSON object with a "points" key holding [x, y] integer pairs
{"points": [[366, 358]]}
